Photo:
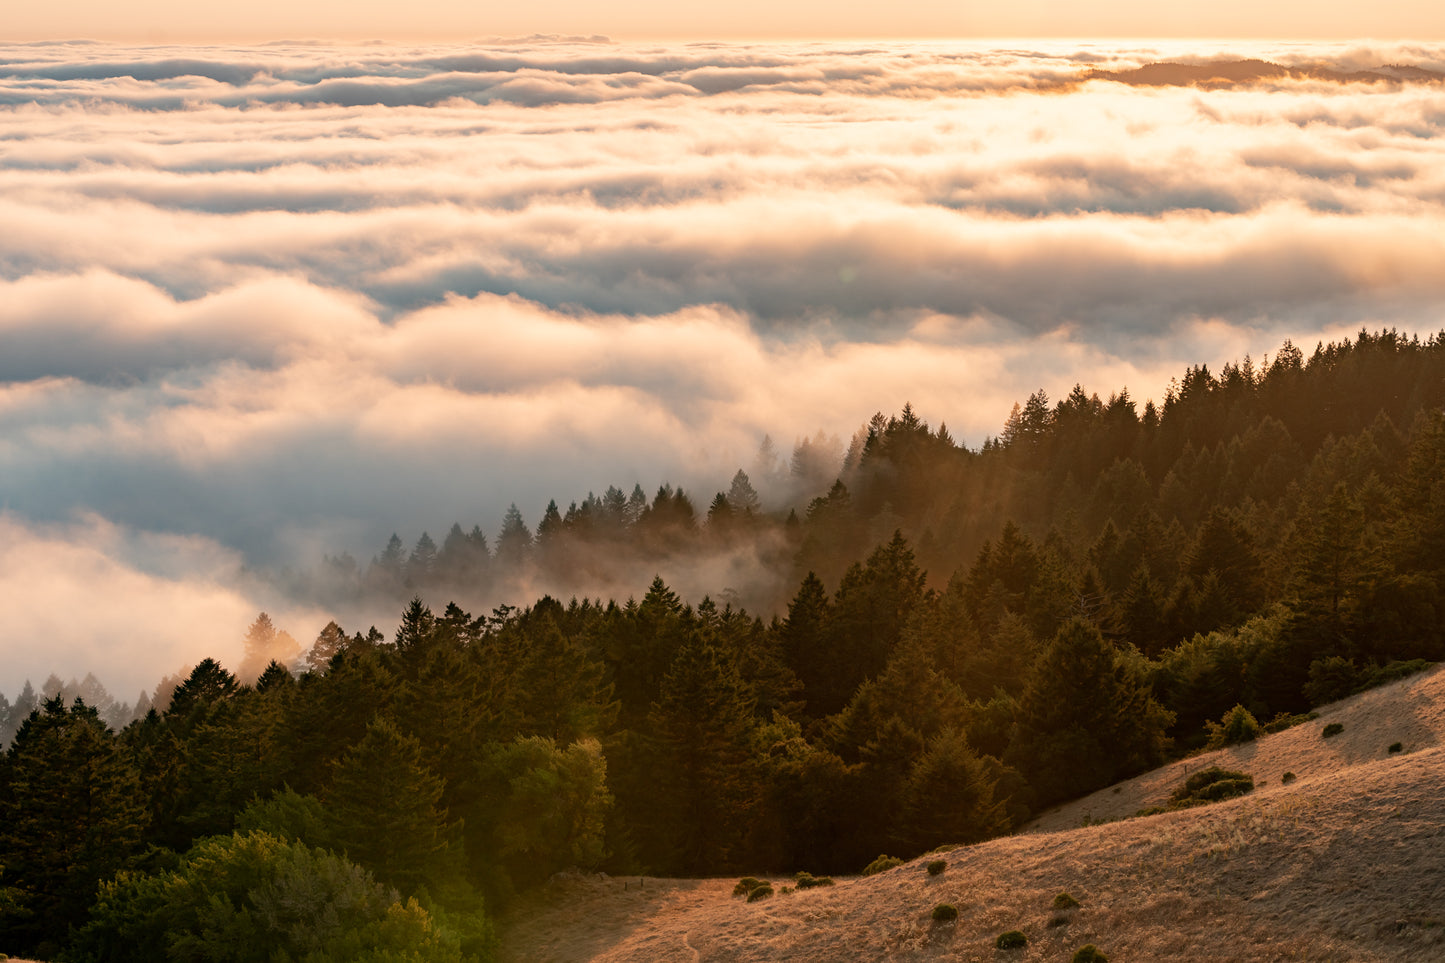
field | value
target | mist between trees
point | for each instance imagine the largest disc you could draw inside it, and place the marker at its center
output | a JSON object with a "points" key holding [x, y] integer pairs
{"points": [[953, 640]]}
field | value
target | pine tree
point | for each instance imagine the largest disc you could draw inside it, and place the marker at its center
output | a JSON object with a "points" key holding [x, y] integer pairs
{"points": [[421, 566], [70, 816], [699, 729], [330, 641], [386, 805], [1085, 719], [742, 496], [949, 797]]}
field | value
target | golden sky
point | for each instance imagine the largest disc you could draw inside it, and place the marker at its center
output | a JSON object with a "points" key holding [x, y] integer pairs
{"points": [[186, 20]]}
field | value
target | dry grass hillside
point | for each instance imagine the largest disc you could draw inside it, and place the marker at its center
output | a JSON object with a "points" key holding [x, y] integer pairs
{"points": [[1346, 862]]}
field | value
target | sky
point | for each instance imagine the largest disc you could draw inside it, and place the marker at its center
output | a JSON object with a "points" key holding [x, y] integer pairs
{"points": [[263, 303], [152, 21]]}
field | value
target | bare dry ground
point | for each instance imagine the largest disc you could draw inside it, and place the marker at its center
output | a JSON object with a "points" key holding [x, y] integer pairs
{"points": [[1345, 863]]}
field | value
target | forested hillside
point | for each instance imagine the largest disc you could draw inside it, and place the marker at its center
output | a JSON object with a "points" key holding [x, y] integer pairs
{"points": [[951, 640]]}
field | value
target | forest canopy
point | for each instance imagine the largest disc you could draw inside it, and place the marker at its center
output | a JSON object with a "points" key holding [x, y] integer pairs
{"points": [[944, 642]]}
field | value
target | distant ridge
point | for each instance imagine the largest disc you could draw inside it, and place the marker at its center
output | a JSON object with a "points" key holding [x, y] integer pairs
{"points": [[1221, 73]]}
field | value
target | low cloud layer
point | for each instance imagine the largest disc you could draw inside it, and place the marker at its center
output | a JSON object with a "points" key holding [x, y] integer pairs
{"points": [[258, 304]]}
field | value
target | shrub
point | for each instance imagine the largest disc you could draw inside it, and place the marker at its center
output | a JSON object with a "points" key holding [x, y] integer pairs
{"points": [[1288, 778], [808, 880], [1396, 747], [746, 885], [1331, 679], [937, 866], [881, 864], [1089, 953], [945, 913], [1065, 902], [1235, 726], [1392, 671], [272, 900], [1012, 940], [1285, 721], [1333, 729], [760, 892], [1211, 785]]}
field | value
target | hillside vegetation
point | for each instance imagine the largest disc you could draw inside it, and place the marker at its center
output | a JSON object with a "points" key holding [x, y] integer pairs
{"points": [[1342, 863], [961, 640]]}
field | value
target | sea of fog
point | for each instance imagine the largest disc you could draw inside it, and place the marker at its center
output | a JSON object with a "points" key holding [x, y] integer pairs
{"points": [[258, 304]]}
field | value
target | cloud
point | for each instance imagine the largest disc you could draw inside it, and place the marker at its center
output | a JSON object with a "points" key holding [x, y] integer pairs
{"points": [[263, 303], [128, 606]]}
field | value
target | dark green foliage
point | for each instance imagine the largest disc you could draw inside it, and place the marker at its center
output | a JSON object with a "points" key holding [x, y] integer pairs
{"points": [[1210, 785], [1288, 778], [881, 864], [1236, 726], [70, 816], [542, 809], [289, 816], [1331, 679], [1395, 747], [700, 771], [254, 898], [1333, 729], [385, 806], [937, 866], [1065, 902], [1386, 674], [809, 881], [1086, 719], [1089, 953], [945, 913], [1012, 940], [948, 797], [760, 892], [1284, 721], [746, 885]]}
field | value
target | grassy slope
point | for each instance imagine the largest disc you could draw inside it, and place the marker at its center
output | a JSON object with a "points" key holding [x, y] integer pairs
{"points": [[1345, 863]]}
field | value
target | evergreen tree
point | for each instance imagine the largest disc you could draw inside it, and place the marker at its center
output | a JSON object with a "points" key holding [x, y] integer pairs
{"points": [[1085, 720], [330, 641], [386, 807], [422, 565], [949, 797], [514, 543], [70, 816], [699, 729], [742, 496]]}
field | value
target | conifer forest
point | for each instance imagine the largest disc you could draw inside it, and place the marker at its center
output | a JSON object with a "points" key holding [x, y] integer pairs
{"points": [[932, 644]]}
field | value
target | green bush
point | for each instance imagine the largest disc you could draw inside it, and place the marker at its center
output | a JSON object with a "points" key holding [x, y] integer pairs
{"points": [[937, 866], [881, 864], [1331, 679], [1089, 953], [760, 892], [1285, 721], [1012, 940], [255, 898], [1392, 671], [945, 913], [1065, 902], [1396, 747], [809, 881], [1333, 729], [1211, 785], [746, 885], [1288, 778], [1235, 726]]}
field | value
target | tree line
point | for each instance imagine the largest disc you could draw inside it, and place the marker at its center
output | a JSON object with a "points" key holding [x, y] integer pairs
{"points": [[1113, 584]]}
